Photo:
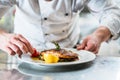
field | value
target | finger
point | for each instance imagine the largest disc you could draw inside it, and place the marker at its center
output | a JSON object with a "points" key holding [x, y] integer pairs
{"points": [[26, 42], [79, 47], [82, 45], [20, 44], [15, 48], [9, 51], [96, 51], [19, 55], [91, 46]]}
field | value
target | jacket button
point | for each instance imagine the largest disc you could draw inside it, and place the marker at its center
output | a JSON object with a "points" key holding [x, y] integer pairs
{"points": [[46, 34], [45, 18], [63, 31], [66, 14]]}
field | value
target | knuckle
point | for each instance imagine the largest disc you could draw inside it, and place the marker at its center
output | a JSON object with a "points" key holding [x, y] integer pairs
{"points": [[13, 38], [19, 53], [27, 43], [17, 50], [19, 35], [6, 46], [22, 47], [8, 43]]}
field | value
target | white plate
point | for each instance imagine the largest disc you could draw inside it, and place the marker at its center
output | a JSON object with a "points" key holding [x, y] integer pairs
{"points": [[84, 57]]}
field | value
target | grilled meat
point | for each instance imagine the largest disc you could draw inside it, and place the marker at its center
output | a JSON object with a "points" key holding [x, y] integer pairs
{"points": [[64, 55]]}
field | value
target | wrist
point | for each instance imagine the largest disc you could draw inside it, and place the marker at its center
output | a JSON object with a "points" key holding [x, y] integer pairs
{"points": [[102, 33]]}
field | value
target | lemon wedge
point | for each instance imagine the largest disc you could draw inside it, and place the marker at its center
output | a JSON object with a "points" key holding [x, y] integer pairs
{"points": [[50, 58]]}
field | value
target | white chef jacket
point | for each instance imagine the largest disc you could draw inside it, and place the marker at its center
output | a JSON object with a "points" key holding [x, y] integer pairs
{"points": [[58, 20]]}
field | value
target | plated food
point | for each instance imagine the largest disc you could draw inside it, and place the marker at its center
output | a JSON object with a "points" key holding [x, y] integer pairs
{"points": [[32, 64], [55, 55], [83, 56]]}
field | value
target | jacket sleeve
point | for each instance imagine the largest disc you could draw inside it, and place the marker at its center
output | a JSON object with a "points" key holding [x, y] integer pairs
{"points": [[5, 5], [108, 14]]}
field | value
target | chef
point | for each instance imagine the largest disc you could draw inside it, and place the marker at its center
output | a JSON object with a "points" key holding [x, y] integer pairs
{"points": [[39, 22]]}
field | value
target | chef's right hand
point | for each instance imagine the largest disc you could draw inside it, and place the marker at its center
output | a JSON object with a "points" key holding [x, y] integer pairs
{"points": [[14, 44]]}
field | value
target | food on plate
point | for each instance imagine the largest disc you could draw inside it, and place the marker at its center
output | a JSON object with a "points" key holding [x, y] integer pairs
{"points": [[50, 58], [62, 54], [35, 53], [55, 55]]}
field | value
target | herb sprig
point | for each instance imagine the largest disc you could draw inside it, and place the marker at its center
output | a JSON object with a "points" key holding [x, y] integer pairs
{"points": [[57, 45]]}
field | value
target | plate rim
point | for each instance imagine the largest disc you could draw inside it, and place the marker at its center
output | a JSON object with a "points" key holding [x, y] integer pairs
{"points": [[64, 63]]}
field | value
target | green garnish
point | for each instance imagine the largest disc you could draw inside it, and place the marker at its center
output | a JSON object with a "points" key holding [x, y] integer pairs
{"points": [[57, 45]]}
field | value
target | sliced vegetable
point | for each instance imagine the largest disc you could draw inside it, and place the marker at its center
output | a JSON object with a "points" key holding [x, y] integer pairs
{"points": [[35, 54]]}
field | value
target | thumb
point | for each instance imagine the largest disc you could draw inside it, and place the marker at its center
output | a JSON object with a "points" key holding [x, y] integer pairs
{"points": [[82, 45]]}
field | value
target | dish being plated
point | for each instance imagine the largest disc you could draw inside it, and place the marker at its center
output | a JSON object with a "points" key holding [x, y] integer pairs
{"points": [[83, 57], [55, 55], [58, 57]]}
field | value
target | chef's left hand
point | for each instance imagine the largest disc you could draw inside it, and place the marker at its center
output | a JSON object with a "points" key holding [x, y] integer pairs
{"points": [[90, 43]]}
